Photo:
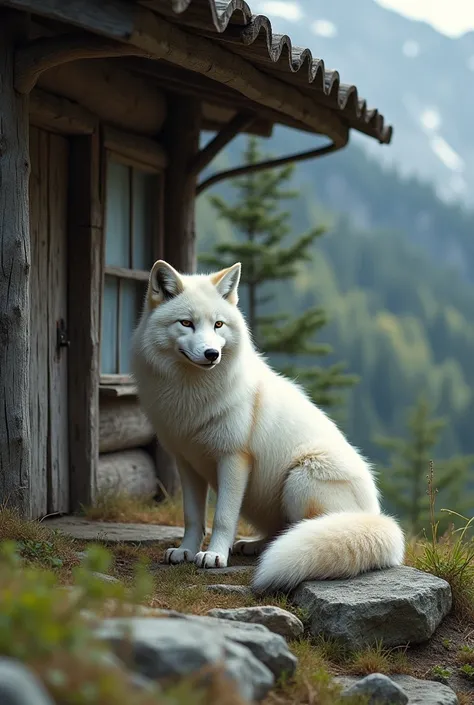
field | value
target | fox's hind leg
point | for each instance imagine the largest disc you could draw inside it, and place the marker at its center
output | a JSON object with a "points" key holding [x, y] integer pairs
{"points": [[249, 547], [195, 491], [314, 488]]}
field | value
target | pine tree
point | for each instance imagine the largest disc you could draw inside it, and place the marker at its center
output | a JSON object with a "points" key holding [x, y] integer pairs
{"points": [[269, 255], [404, 481]]}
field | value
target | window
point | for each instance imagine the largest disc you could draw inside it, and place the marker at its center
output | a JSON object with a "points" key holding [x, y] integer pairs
{"points": [[131, 237]]}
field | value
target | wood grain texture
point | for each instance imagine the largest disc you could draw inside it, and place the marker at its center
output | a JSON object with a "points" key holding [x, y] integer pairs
{"points": [[60, 115], [16, 483], [131, 471], [117, 96], [44, 53], [48, 304], [85, 291], [58, 467], [39, 396], [140, 150], [113, 19], [122, 425], [181, 141]]}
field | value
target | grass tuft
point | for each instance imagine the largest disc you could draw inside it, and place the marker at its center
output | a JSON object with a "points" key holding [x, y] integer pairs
{"points": [[450, 557], [379, 659]]}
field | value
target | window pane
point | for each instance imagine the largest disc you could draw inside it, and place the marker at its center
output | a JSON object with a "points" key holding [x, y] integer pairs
{"points": [[145, 194], [130, 307], [108, 341], [117, 216]]}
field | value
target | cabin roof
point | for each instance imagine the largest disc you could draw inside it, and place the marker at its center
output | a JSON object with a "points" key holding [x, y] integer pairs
{"points": [[233, 25]]}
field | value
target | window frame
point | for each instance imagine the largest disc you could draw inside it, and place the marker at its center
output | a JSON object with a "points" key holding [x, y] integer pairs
{"points": [[148, 156]]}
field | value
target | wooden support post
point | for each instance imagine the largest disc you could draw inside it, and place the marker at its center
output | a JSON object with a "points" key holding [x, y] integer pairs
{"points": [[16, 485], [85, 254], [181, 141]]}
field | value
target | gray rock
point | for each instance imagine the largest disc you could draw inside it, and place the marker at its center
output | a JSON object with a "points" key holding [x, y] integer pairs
{"points": [[230, 589], [18, 686], [419, 692], [105, 578], [378, 689], [269, 648], [275, 619], [399, 606], [169, 647]]}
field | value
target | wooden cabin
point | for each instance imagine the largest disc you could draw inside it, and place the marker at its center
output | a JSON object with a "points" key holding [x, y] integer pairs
{"points": [[102, 106]]}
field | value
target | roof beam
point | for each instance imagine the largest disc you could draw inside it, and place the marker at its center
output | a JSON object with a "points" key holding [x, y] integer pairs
{"points": [[205, 156], [160, 39]]}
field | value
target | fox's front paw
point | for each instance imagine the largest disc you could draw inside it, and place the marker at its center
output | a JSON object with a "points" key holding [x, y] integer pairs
{"points": [[209, 559], [179, 555]]}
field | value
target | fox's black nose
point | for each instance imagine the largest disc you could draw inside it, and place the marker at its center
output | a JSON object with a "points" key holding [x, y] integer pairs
{"points": [[211, 354]]}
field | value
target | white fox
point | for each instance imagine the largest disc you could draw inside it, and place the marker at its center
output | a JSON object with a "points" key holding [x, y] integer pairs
{"points": [[270, 454]]}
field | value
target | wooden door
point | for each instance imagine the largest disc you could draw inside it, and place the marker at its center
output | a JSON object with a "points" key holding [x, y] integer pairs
{"points": [[48, 317]]}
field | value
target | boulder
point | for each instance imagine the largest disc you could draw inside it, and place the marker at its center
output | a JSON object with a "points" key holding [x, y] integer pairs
{"points": [[398, 606], [378, 690], [419, 692], [169, 647], [275, 619], [269, 648]]}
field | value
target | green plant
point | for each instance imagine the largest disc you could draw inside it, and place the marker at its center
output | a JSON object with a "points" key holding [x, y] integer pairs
{"points": [[467, 671], [439, 673], [41, 551]]}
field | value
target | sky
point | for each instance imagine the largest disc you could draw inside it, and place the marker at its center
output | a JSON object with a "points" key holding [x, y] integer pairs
{"points": [[451, 17]]}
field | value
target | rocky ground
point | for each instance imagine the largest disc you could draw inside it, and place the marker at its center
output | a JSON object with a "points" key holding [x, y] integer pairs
{"points": [[386, 638]]}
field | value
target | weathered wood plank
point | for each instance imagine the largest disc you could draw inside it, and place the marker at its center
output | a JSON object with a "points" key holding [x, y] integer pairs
{"points": [[58, 469], [132, 102], [60, 115], [117, 390], [131, 471], [138, 149], [15, 260], [84, 307], [122, 424], [38, 334], [114, 19]]}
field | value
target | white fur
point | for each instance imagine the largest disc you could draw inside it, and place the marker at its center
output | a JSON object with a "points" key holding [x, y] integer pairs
{"points": [[256, 439]]}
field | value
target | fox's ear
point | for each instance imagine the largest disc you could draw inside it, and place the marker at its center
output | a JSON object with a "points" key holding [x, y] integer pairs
{"points": [[227, 283], [164, 283]]}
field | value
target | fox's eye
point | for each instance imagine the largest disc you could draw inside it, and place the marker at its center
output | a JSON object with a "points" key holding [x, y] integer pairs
{"points": [[218, 324], [186, 324]]}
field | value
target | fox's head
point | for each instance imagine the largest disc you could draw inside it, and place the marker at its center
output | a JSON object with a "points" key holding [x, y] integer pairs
{"points": [[192, 318]]}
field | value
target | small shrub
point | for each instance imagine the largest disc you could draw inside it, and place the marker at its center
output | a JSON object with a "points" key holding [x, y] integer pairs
{"points": [[467, 671]]}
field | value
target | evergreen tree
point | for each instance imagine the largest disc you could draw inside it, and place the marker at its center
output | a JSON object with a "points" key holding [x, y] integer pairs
{"points": [[404, 484], [269, 255]]}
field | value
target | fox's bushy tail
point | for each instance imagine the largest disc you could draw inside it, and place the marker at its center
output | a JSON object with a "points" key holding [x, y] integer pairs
{"points": [[340, 545]]}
